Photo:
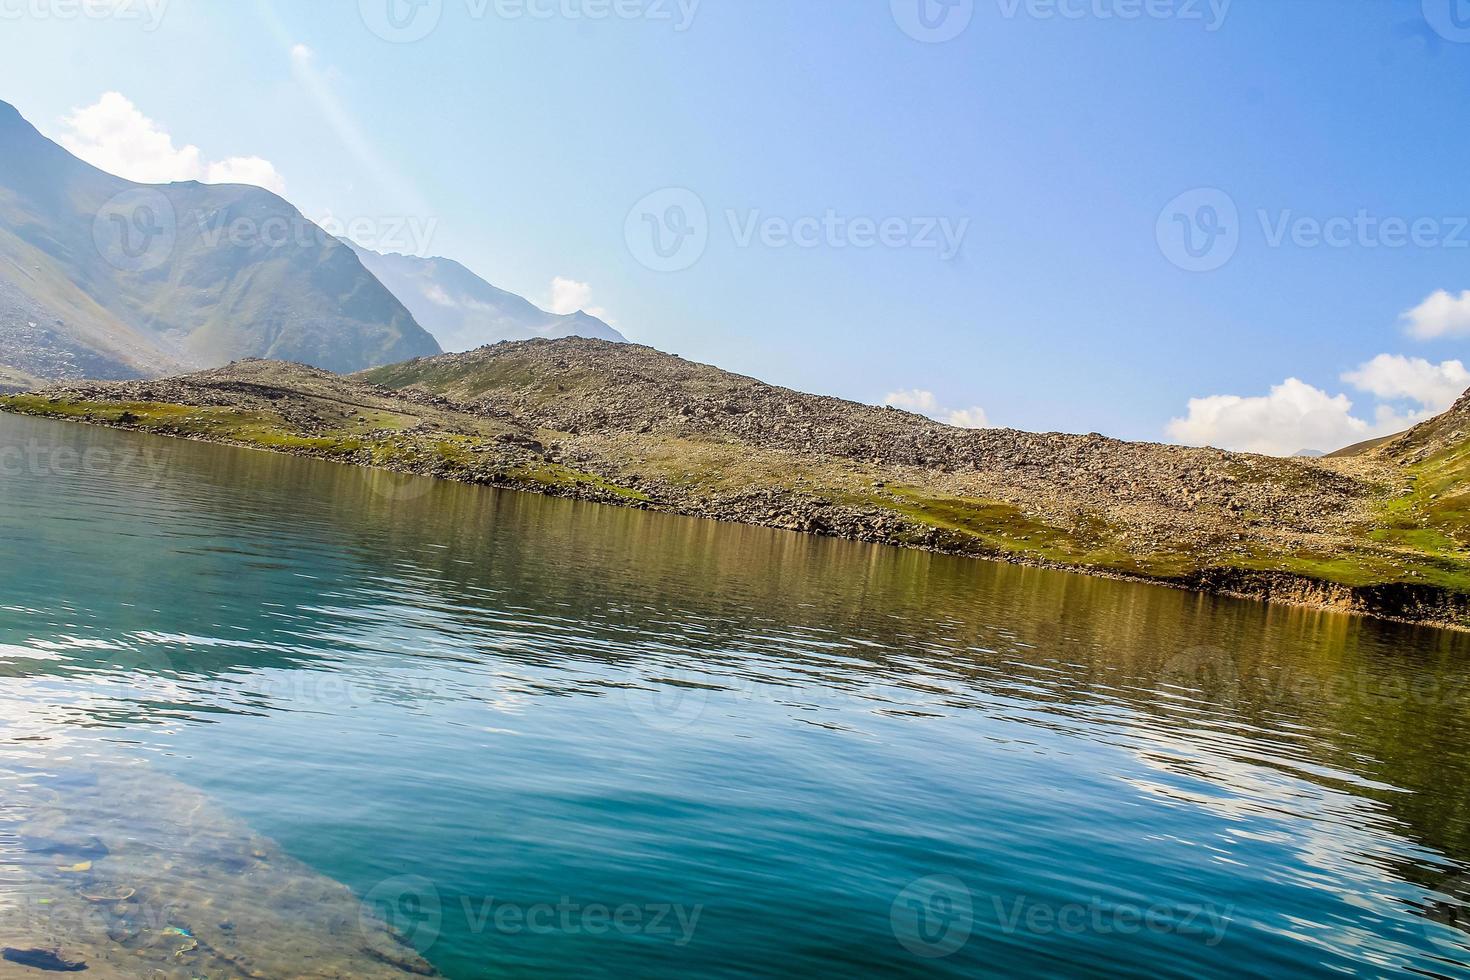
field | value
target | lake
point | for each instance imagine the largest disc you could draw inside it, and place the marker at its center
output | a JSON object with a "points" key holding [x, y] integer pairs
{"points": [[268, 714]]}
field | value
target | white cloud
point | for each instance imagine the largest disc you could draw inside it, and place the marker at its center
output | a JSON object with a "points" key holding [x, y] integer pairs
{"points": [[1393, 377], [571, 296], [1441, 315], [302, 53], [113, 135], [435, 294], [924, 403], [915, 400], [245, 170], [1297, 416], [968, 418], [1293, 417]]}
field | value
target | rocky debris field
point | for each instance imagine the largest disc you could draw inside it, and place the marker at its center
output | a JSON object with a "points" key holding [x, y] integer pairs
{"points": [[589, 388]]}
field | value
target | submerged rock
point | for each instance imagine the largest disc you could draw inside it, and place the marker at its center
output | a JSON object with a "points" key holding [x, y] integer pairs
{"points": [[49, 960]]}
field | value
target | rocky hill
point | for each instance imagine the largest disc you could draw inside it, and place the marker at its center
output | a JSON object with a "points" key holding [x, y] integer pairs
{"points": [[102, 277], [1443, 435], [1380, 533], [602, 393]]}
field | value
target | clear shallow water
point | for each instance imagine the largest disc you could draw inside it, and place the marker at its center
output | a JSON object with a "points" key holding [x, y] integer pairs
{"points": [[543, 737]]}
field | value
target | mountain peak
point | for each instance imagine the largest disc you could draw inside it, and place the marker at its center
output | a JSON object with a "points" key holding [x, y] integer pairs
{"points": [[465, 312]]}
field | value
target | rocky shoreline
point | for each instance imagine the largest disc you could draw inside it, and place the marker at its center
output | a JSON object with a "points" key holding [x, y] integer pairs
{"points": [[1420, 605], [623, 425]]}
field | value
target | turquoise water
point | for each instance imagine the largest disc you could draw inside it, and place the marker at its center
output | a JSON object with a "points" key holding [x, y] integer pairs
{"points": [[540, 737]]}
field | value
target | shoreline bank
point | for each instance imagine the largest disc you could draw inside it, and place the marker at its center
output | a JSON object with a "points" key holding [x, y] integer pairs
{"points": [[1404, 603]]}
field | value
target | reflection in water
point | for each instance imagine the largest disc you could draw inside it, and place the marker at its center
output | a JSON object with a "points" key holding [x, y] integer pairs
{"points": [[765, 752]]}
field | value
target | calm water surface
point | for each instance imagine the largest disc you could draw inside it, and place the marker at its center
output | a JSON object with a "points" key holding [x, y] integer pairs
{"points": [[537, 737]]}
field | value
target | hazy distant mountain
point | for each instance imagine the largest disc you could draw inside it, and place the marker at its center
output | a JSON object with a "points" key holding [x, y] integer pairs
{"points": [[464, 312], [106, 278]]}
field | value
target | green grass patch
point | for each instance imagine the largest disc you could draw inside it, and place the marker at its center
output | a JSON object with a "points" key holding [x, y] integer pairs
{"points": [[262, 429], [556, 475]]}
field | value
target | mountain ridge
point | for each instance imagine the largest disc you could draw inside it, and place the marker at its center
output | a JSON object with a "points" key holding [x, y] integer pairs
{"points": [[465, 311], [101, 276]]}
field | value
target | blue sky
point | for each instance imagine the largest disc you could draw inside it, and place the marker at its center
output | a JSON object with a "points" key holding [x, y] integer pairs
{"points": [[1059, 137]]}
